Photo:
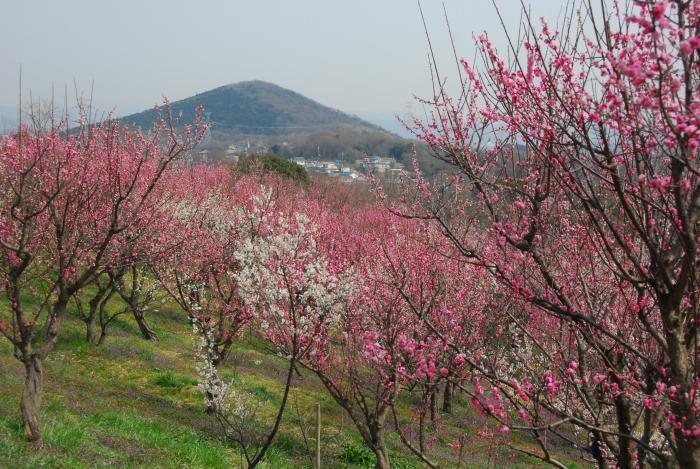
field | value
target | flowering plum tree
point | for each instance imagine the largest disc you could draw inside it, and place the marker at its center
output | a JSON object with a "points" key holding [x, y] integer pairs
{"points": [[68, 200], [446, 298], [404, 331], [578, 191]]}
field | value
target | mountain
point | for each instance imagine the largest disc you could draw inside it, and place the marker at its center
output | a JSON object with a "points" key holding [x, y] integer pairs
{"points": [[259, 117], [257, 108]]}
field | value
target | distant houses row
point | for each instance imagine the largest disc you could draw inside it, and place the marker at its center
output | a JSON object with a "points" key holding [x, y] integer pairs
{"points": [[377, 166], [337, 168], [372, 165], [380, 165]]}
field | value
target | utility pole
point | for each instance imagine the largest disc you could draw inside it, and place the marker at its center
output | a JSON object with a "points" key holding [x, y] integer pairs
{"points": [[318, 436]]}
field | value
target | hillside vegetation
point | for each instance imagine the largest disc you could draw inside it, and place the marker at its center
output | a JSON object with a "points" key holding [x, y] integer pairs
{"points": [[135, 403]]}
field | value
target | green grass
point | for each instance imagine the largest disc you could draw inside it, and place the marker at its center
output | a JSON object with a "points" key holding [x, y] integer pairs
{"points": [[168, 379], [123, 439], [135, 403]]}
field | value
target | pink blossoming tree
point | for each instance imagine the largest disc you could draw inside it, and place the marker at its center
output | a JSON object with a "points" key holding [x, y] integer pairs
{"points": [[68, 200], [577, 190]]}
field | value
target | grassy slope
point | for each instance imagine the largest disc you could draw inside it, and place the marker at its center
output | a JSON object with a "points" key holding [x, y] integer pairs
{"points": [[132, 403]]}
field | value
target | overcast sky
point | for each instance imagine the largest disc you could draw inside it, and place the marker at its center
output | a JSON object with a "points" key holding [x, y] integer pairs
{"points": [[360, 56]]}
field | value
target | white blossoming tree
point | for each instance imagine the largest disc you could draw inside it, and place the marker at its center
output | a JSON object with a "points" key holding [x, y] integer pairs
{"points": [[293, 296]]}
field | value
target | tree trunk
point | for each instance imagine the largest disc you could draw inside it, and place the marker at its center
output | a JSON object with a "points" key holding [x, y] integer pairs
{"points": [[30, 404], [624, 459], [433, 404], [145, 329], [596, 450], [103, 334], [278, 420], [31, 398], [688, 454], [447, 398], [92, 335], [688, 450], [222, 351], [421, 429], [382, 453], [209, 408]]}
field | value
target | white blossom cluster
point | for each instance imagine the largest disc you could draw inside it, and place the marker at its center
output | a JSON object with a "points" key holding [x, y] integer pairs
{"points": [[218, 220], [255, 218], [514, 360], [286, 280], [213, 212], [184, 209], [194, 295]]}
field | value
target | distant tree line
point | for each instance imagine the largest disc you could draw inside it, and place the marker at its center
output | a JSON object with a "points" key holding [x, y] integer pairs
{"points": [[269, 163]]}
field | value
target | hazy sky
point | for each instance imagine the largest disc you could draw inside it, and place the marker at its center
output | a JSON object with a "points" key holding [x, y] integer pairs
{"points": [[360, 56]]}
